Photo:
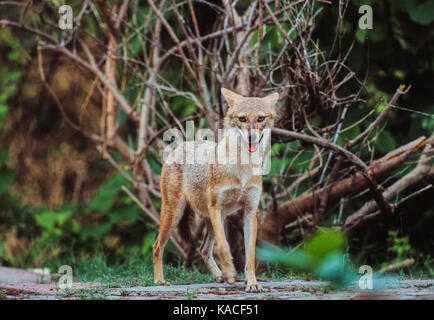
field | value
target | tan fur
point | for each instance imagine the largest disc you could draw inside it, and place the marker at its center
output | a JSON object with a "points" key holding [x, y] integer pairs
{"points": [[218, 190]]}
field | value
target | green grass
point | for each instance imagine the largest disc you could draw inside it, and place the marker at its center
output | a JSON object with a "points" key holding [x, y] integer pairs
{"points": [[135, 271], [274, 272]]}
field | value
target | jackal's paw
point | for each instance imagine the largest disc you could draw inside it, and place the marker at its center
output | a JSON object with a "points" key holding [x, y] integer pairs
{"points": [[219, 279], [162, 282], [229, 275], [253, 287], [230, 280]]}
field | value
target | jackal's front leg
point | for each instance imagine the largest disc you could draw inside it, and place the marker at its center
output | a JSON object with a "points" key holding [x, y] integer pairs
{"points": [[223, 251], [250, 230]]}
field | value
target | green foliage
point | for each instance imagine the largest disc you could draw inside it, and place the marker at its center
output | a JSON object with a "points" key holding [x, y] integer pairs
{"points": [[398, 246], [182, 106], [132, 270], [324, 242], [190, 294], [58, 230], [422, 12], [426, 123], [323, 255], [106, 194], [385, 142], [112, 223], [351, 131], [136, 46], [6, 177], [377, 34], [10, 74]]}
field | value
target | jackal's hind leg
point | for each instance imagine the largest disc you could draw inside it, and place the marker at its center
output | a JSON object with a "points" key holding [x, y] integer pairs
{"points": [[206, 251], [171, 213], [228, 270]]}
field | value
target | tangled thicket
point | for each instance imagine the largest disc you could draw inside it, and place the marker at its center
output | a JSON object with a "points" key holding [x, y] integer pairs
{"points": [[156, 65]]}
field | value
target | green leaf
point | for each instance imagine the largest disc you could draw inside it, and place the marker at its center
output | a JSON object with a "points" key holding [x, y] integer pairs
{"points": [[301, 163], [96, 231], [348, 135], [12, 76], [331, 265], [254, 38], [4, 156], [106, 194], [399, 74], [46, 219], [155, 167], [324, 242], [423, 13], [275, 166], [62, 217], [183, 106], [6, 177], [275, 149], [148, 241], [296, 259], [127, 213], [75, 226], [136, 46], [4, 96], [14, 55], [3, 110], [385, 142]]}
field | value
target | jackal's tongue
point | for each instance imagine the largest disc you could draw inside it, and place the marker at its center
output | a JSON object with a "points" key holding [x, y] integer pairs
{"points": [[253, 148]]}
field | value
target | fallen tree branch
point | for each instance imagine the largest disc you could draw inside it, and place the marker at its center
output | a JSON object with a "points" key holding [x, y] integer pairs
{"points": [[366, 172], [398, 266], [289, 210], [370, 210]]}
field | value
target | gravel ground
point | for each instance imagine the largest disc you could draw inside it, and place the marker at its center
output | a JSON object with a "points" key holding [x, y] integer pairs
{"points": [[22, 284]]}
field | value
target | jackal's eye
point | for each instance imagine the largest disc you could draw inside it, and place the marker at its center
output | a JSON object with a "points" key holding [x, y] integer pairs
{"points": [[242, 119], [260, 119]]}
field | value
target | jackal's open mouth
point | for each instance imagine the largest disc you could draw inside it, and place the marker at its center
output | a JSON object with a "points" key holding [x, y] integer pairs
{"points": [[254, 147]]}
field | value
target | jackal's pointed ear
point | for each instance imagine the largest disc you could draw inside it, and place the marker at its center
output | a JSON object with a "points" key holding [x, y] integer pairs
{"points": [[230, 96], [271, 99]]}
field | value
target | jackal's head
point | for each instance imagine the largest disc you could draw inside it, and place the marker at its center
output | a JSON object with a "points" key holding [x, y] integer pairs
{"points": [[250, 116]]}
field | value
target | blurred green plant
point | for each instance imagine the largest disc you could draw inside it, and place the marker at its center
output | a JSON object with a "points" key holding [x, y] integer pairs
{"points": [[80, 230], [323, 255], [398, 246]]}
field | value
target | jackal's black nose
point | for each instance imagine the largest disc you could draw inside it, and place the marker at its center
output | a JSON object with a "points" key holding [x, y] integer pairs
{"points": [[251, 137]]}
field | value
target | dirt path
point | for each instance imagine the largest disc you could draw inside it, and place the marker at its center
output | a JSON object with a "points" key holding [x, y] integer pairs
{"points": [[22, 284]]}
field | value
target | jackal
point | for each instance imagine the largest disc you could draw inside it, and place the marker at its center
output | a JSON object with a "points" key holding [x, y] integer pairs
{"points": [[218, 189]]}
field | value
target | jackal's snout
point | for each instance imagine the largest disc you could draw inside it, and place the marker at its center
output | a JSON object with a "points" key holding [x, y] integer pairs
{"points": [[252, 139]]}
